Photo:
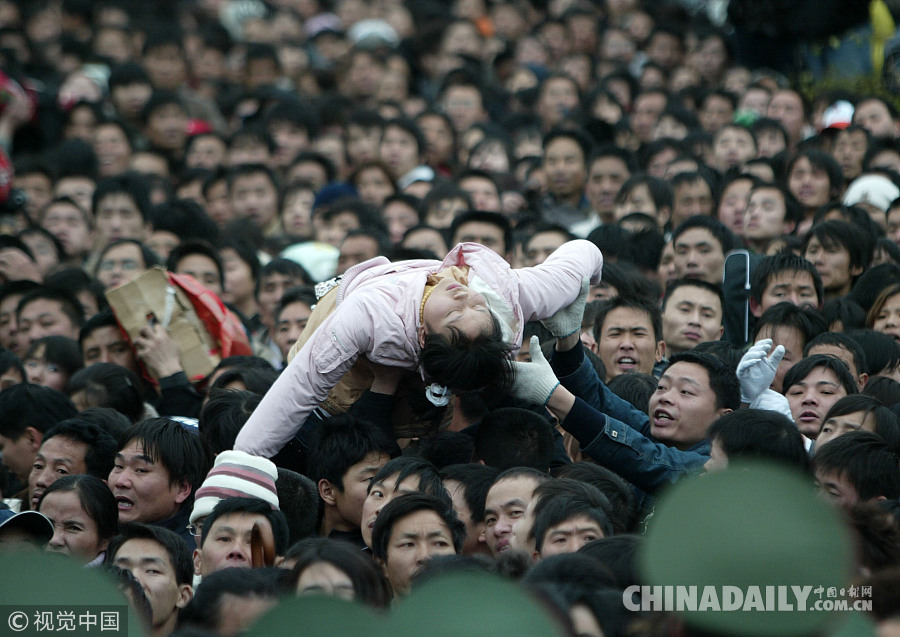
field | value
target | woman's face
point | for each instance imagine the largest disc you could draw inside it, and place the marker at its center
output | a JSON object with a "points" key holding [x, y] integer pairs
{"points": [[733, 205], [374, 186], [812, 397], [809, 184], [239, 282], [74, 531], [42, 372], [839, 425], [887, 321], [324, 578]]}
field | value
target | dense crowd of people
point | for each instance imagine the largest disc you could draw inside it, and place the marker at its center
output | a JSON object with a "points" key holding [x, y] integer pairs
{"points": [[489, 280]]}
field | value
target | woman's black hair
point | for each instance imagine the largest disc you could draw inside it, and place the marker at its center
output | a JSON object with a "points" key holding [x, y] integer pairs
{"points": [[96, 499], [369, 584], [882, 351], [8, 361], [887, 424], [59, 350], [110, 385], [884, 389], [462, 363], [845, 311]]}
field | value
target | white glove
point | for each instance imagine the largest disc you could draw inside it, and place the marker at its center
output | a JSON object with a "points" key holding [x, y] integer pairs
{"points": [[773, 401], [756, 371], [535, 381], [567, 321]]}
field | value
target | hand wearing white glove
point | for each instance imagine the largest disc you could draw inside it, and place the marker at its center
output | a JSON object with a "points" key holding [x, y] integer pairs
{"points": [[535, 382], [773, 401], [567, 321], [757, 369]]}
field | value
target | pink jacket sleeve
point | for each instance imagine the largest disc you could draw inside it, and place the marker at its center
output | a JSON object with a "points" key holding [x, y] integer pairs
{"points": [[315, 370], [555, 283]]}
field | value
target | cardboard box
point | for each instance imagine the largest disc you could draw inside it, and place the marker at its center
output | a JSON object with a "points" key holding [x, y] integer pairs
{"points": [[151, 297]]}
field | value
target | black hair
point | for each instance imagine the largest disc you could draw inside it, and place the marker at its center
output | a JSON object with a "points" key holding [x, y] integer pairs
{"points": [[887, 424], [174, 545], [643, 249], [134, 185], [475, 480], [284, 267], [409, 127], [149, 256], [369, 584], [793, 209], [110, 385], [103, 318], [9, 361], [553, 511], [310, 156], [298, 499], [223, 415], [188, 248], [406, 466], [582, 140], [873, 283], [839, 339], [345, 441], [806, 320], [59, 350], [626, 156], [659, 190], [884, 389], [882, 352], [635, 388], [858, 243], [823, 161], [462, 363], [514, 437], [229, 506], [805, 367], [618, 554], [96, 500], [500, 221], [631, 302], [204, 612], [108, 419], [770, 267], [716, 228], [297, 294], [68, 304], [845, 311], [697, 283], [178, 450], [865, 461], [760, 434], [27, 405], [722, 379], [185, 219], [609, 238], [257, 380], [101, 446], [442, 448], [623, 509], [573, 573], [408, 504], [127, 74]]}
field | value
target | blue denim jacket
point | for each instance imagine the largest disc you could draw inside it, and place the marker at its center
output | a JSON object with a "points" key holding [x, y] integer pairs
{"points": [[616, 434]]}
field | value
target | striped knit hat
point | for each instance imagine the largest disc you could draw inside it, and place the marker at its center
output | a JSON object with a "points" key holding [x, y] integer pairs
{"points": [[236, 474]]}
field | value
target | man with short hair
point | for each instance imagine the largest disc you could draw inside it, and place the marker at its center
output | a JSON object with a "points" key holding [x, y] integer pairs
{"points": [[468, 486], [490, 229], [505, 504], [161, 563], [72, 447], [701, 244], [857, 467], [228, 531], [514, 437], [254, 194], [159, 466], [878, 117], [48, 312], [102, 341], [771, 213], [629, 336], [27, 413], [692, 195], [121, 206], [482, 188], [788, 108], [691, 314], [410, 530], [565, 163], [565, 524], [72, 225], [542, 242], [784, 277], [650, 449], [346, 454], [843, 347], [608, 169], [201, 261]]}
